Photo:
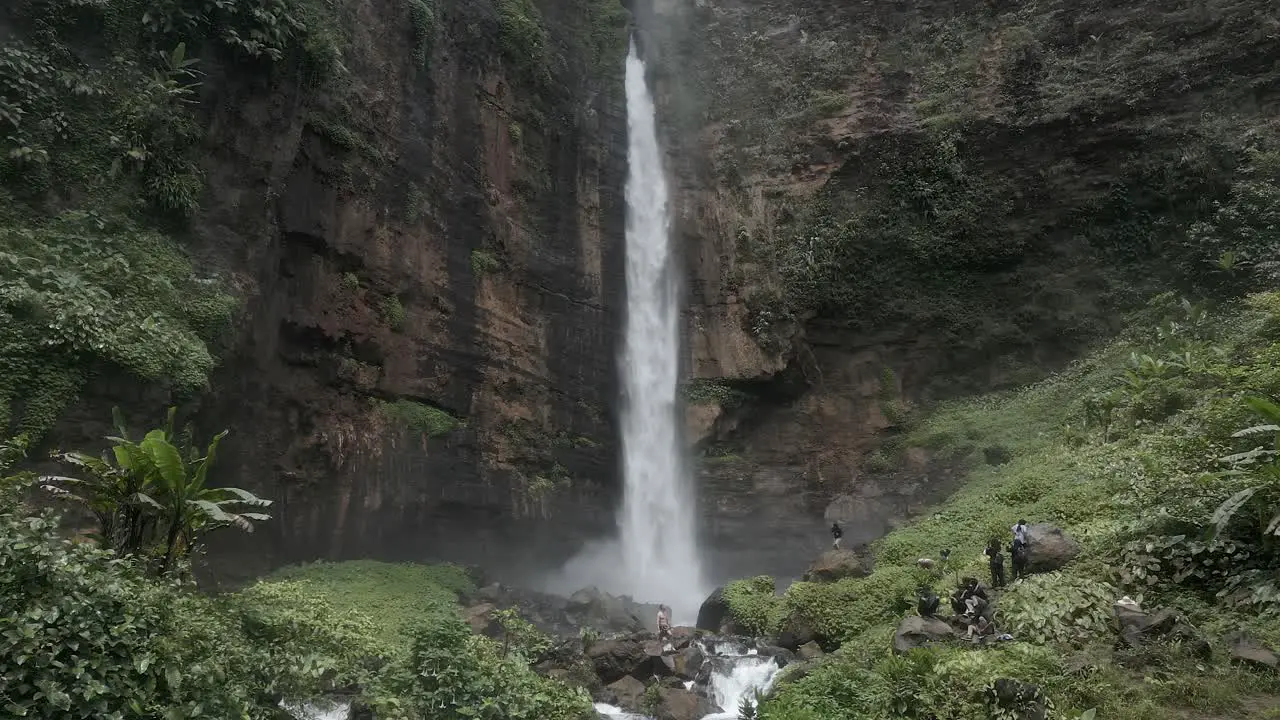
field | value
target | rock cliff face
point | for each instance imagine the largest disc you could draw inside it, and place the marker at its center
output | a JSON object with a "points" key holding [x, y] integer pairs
{"points": [[891, 203], [430, 259]]}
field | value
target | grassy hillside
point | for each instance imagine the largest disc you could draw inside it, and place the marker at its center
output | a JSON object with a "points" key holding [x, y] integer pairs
{"points": [[1123, 450]]}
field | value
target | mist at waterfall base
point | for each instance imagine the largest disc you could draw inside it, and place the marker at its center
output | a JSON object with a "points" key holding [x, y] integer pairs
{"points": [[655, 556]]}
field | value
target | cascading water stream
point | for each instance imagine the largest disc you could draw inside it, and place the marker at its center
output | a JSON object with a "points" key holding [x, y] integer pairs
{"points": [[659, 546], [655, 558]]}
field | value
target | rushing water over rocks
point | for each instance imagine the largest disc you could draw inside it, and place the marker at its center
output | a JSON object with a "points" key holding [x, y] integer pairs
{"points": [[655, 558], [735, 670]]}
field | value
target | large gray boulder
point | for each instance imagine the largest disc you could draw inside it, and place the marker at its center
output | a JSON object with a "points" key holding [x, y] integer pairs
{"points": [[916, 632], [835, 565], [626, 693], [592, 607], [1246, 649], [676, 704], [794, 632], [1049, 548], [714, 612], [617, 658]]}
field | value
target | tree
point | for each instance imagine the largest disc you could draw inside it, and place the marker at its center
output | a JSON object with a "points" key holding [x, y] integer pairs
{"points": [[150, 499]]}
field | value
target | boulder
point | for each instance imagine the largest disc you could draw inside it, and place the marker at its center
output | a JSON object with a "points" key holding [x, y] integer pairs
{"points": [[794, 632], [567, 663], [1248, 650], [835, 565], [1049, 548], [682, 636], [688, 662], [679, 704], [656, 663], [1018, 699], [626, 693], [714, 612], [916, 631], [1138, 627], [810, 651], [591, 607], [480, 618], [614, 659], [782, 656]]}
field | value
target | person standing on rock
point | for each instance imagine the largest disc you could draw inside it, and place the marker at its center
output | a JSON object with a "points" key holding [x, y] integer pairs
{"points": [[836, 534], [664, 623]]}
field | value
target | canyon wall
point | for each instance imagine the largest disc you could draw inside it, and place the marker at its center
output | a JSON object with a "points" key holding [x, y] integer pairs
{"points": [[429, 256], [885, 205]]}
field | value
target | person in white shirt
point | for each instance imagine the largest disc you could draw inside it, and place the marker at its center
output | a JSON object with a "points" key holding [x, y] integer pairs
{"points": [[1020, 533]]}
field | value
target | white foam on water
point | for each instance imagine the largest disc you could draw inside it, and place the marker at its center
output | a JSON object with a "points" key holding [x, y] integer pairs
{"points": [[748, 672]]}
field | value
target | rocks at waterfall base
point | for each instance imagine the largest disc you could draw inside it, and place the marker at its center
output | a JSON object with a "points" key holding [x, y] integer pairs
{"points": [[835, 565], [679, 704], [1049, 548], [558, 616]]}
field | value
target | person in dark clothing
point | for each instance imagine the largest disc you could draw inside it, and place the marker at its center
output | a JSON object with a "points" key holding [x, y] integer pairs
{"points": [[973, 587], [996, 560], [926, 601], [836, 534], [957, 601], [1018, 557]]}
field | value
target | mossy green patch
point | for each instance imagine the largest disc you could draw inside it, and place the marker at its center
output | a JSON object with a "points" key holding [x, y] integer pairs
{"points": [[394, 596]]}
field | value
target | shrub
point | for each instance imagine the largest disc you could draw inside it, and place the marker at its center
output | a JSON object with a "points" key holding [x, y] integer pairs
{"points": [[87, 636], [448, 667], [753, 604], [1055, 608], [393, 312], [81, 289], [711, 392], [425, 419], [484, 262]]}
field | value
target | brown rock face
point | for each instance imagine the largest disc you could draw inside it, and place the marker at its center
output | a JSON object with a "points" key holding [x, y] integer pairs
{"points": [[444, 233], [792, 122]]}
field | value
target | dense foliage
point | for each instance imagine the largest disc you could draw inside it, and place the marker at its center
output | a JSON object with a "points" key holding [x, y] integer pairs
{"points": [[99, 167], [1157, 454]]}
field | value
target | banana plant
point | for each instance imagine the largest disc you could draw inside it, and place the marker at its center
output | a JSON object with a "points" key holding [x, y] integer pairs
{"points": [[1262, 462], [146, 492], [191, 507], [117, 489]]}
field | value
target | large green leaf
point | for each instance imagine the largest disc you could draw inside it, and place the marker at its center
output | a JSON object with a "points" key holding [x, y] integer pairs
{"points": [[168, 463], [201, 473], [1222, 516], [246, 497]]}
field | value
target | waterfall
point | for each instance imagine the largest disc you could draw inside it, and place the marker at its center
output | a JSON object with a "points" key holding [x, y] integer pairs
{"points": [[659, 546], [655, 558]]}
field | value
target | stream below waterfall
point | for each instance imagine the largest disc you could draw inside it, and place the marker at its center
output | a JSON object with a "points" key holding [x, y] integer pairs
{"points": [[738, 671]]}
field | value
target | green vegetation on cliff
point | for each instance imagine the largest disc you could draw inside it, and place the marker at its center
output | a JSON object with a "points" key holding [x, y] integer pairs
{"points": [[99, 170], [1143, 452]]}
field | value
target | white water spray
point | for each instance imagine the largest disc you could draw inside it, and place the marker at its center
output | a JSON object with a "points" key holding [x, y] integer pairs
{"points": [[659, 543], [655, 558]]}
